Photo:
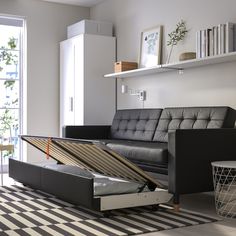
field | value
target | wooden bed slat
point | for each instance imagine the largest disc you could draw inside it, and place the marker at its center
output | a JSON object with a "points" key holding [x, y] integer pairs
{"points": [[92, 156]]}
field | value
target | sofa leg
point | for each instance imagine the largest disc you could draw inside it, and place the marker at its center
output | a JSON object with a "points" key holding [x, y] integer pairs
{"points": [[176, 207], [176, 202]]}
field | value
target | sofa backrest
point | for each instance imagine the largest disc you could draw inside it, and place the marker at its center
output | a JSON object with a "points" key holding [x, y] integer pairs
{"points": [[135, 124], [193, 118]]}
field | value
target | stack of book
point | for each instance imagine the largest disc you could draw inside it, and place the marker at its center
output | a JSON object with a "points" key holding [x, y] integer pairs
{"points": [[216, 40]]}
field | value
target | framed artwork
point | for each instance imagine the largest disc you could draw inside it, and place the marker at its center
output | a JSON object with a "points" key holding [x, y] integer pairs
{"points": [[150, 47]]}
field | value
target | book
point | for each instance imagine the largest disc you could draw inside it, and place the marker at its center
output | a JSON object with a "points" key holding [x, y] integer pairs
{"points": [[221, 38], [229, 37], [198, 44], [210, 42], [215, 40], [203, 43], [207, 43], [234, 38]]}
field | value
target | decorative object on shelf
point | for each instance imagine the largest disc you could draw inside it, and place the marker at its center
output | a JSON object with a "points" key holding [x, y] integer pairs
{"points": [[176, 36], [187, 56], [120, 66], [150, 48], [216, 40]]}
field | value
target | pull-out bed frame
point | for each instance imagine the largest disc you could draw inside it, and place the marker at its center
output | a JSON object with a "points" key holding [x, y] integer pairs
{"points": [[94, 157]]}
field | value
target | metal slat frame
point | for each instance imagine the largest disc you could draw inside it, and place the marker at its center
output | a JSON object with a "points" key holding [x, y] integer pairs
{"points": [[93, 156]]}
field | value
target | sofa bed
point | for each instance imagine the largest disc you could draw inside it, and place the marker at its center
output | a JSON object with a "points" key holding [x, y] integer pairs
{"points": [[177, 144], [173, 144]]}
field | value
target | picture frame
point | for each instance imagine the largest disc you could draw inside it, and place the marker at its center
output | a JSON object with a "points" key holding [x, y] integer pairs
{"points": [[150, 47]]}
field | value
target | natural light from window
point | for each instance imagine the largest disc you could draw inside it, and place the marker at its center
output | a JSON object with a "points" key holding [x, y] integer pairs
{"points": [[11, 89]]}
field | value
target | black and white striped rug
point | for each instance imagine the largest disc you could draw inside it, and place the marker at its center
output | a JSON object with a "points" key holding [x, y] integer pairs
{"points": [[24, 211]]}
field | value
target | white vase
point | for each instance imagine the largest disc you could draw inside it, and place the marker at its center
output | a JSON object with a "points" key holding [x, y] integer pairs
{"points": [[169, 54]]}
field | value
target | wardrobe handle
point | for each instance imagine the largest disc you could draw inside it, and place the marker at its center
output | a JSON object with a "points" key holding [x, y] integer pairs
{"points": [[71, 104]]}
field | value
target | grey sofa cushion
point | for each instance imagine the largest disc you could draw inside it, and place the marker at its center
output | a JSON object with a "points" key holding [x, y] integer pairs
{"points": [[193, 118], [148, 153], [135, 124]]}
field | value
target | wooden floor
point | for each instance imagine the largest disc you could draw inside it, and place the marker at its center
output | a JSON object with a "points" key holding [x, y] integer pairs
{"points": [[203, 203]]}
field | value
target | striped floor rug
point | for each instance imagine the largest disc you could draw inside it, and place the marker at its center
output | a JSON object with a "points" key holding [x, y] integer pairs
{"points": [[24, 211]]}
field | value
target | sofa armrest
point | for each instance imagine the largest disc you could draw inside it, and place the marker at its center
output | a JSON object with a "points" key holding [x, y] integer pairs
{"points": [[191, 153], [86, 132]]}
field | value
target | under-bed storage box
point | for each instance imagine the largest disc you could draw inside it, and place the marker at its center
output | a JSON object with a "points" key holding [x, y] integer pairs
{"points": [[71, 188], [25, 173]]}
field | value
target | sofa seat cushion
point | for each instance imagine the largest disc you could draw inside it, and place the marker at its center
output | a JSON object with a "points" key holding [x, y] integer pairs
{"points": [[148, 153]]}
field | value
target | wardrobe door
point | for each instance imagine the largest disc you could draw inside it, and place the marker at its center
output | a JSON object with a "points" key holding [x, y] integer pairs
{"points": [[67, 87], [79, 79]]}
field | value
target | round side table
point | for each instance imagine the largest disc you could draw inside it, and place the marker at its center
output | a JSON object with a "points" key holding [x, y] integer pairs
{"points": [[224, 180]]}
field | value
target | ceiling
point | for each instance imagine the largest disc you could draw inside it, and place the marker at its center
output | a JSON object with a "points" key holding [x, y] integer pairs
{"points": [[84, 3]]}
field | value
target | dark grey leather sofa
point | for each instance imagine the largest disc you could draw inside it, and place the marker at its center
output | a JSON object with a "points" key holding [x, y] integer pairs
{"points": [[179, 143]]}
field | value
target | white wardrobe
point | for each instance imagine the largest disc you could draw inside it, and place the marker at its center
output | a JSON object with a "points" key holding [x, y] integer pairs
{"points": [[86, 97]]}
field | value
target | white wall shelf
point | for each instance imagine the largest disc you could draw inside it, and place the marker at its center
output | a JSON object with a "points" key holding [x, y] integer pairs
{"points": [[138, 72], [227, 57]]}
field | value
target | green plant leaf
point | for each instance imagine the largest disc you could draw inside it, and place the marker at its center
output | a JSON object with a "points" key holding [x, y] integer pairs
{"points": [[177, 34]]}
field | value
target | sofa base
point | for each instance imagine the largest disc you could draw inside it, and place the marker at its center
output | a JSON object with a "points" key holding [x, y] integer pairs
{"points": [[79, 190]]}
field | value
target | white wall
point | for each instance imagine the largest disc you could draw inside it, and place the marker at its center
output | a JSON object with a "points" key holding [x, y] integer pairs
{"points": [[46, 27], [210, 85]]}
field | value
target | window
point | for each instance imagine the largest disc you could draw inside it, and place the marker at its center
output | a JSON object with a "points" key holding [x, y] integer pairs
{"points": [[11, 84]]}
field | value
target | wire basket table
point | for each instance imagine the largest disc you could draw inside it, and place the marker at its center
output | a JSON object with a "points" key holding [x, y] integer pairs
{"points": [[224, 180]]}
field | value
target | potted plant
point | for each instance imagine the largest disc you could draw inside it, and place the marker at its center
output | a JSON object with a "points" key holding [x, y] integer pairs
{"points": [[176, 36]]}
